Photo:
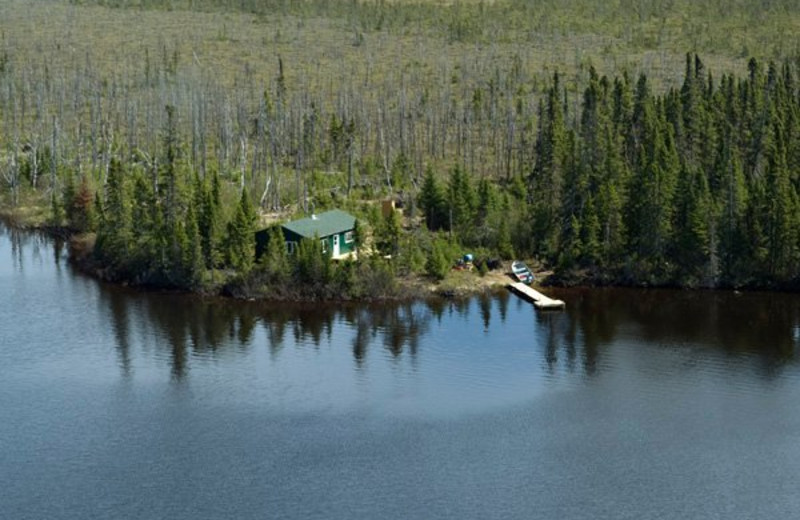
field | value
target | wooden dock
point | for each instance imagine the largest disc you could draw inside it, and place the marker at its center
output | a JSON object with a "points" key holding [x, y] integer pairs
{"points": [[539, 300]]}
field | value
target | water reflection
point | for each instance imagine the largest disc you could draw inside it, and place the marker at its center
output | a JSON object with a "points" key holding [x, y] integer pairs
{"points": [[26, 248], [736, 323], [576, 340], [183, 326], [243, 408], [583, 339]]}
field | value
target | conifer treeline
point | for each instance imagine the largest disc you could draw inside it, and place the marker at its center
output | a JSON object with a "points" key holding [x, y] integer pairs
{"points": [[699, 186], [695, 187]]}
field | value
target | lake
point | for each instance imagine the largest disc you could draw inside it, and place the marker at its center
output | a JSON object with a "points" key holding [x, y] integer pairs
{"points": [[629, 404]]}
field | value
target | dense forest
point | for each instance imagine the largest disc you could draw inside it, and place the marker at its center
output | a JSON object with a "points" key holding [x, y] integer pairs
{"points": [[668, 169]]}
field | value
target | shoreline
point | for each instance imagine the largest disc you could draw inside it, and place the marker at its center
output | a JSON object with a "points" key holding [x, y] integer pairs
{"points": [[459, 284]]}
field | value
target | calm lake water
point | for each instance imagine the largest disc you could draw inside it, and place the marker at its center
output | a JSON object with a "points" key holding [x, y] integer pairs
{"points": [[630, 404]]}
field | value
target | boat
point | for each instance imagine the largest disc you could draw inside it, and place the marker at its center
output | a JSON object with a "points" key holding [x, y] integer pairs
{"points": [[521, 272]]}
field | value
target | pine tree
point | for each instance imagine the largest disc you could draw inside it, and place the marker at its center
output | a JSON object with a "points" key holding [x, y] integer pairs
{"points": [[461, 201], [358, 238], [590, 234], [734, 195], [547, 179], [485, 227], [780, 221], [114, 235], [437, 265], [609, 201], [56, 210], [276, 259], [194, 265], [208, 203], [693, 220], [504, 245], [388, 234], [240, 244], [431, 200], [144, 212], [313, 267], [650, 203]]}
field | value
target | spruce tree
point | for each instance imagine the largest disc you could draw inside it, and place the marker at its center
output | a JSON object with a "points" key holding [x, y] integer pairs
{"points": [[780, 203], [734, 200], [193, 262], [461, 201], [546, 181], [432, 202], [276, 259], [240, 243], [114, 235]]}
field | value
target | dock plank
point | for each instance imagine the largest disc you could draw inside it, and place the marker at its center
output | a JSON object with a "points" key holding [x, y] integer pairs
{"points": [[539, 300]]}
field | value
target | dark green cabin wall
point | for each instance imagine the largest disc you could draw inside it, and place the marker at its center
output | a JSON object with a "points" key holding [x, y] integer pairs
{"points": [[262, 241]]}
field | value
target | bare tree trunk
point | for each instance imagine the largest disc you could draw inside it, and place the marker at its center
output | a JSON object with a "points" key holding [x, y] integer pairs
{"points": [[54, 158], [108, 139], [350, 148], [34, 160], [242, 161]]}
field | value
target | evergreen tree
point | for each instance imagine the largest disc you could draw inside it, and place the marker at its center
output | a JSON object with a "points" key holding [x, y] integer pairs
{"points": [[207, 200], [56, 210], [194, 265], [461, 202], [693, 220], [437, 265], [547, 179], [780, 212], [240, 244], [432, 202], [145, 214], [313, 267], [732, 227], [388, 233], [609, 202], [114, 235], [485, 227], [358, 237], [650, 203], [276, 259], [505, 247]]}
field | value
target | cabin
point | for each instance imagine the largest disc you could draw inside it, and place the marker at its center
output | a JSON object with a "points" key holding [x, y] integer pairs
{"points": [[334, 230]]}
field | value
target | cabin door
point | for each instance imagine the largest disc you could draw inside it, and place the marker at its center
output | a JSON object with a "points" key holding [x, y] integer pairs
{"points": [[335, 246]]}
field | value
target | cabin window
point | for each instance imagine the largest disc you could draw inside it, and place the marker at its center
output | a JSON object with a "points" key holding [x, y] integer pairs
{"points": [[324, 243], [348, 237], [291, 246]]}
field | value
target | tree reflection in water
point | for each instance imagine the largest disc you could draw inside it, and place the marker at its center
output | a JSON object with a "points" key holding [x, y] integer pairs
{"points": [[182, 326], [766, 325], [575, 340]]}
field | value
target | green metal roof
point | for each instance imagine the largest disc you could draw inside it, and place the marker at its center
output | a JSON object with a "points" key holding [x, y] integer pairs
{"points": [[322, 225]]}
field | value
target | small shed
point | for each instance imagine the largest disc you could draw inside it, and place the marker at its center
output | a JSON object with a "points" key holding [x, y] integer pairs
{"points": [[388, 207], [334, 230]]}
